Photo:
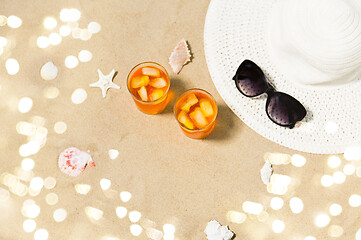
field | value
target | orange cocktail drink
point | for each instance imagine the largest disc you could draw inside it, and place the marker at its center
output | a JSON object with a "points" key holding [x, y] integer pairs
{"points": [[196, 112], [148, 83]]}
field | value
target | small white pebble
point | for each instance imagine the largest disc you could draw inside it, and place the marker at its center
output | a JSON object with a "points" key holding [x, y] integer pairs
{"points": [[113, 154], [12, 66], [49, 71], [134, 216]]}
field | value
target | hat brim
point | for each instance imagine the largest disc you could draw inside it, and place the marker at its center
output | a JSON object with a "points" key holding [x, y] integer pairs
{"points": [[236, 30]]}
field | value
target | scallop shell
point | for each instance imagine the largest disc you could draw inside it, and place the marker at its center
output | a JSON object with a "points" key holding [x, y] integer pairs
{"points": [[180, 56], [73, 161]]}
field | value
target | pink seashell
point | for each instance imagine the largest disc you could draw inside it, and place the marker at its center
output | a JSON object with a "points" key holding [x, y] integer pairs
{"points": [[73, 161], [180, 56]]}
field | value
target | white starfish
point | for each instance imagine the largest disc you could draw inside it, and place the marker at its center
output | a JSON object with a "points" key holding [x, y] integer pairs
{"points": [[105, 82]]}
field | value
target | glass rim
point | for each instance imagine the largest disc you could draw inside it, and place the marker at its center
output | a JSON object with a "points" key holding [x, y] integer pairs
{"points": [[185, 93], [144, 63]]}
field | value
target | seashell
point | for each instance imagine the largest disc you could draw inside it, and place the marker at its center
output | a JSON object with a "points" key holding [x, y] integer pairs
{"points": [[73, 161], [266, 173], [215, 231], [180, 56]]}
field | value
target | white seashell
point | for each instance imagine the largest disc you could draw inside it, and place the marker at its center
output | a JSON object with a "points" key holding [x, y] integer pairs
{"points": [[266, 173], [180, 56], [216, 231]]}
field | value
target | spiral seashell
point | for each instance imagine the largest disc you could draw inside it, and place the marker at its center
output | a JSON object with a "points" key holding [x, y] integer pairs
{"points": [[180, 56], [316, 42]]}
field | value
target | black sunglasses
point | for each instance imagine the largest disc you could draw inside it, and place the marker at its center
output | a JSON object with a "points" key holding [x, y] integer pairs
{"points": [[281, 108]]}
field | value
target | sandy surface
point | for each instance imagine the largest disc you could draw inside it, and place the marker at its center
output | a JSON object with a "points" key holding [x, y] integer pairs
{"points": [[172, 179]]}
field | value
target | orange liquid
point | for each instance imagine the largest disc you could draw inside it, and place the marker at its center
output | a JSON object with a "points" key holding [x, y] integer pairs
{"points": [[197, 133], [149, 107]]}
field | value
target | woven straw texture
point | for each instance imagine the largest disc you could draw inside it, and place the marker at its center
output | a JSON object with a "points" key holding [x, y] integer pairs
{"points": [[236, 30]]}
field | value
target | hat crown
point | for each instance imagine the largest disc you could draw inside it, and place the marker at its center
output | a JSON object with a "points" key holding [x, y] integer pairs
{"points": [[316, 42]]}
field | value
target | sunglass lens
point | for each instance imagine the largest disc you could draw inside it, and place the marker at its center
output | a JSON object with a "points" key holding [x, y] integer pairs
{"points": [[284, 109], [250, 79]]}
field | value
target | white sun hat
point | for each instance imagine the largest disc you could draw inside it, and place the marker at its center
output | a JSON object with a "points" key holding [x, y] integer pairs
{"points": [[309, 49]]}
